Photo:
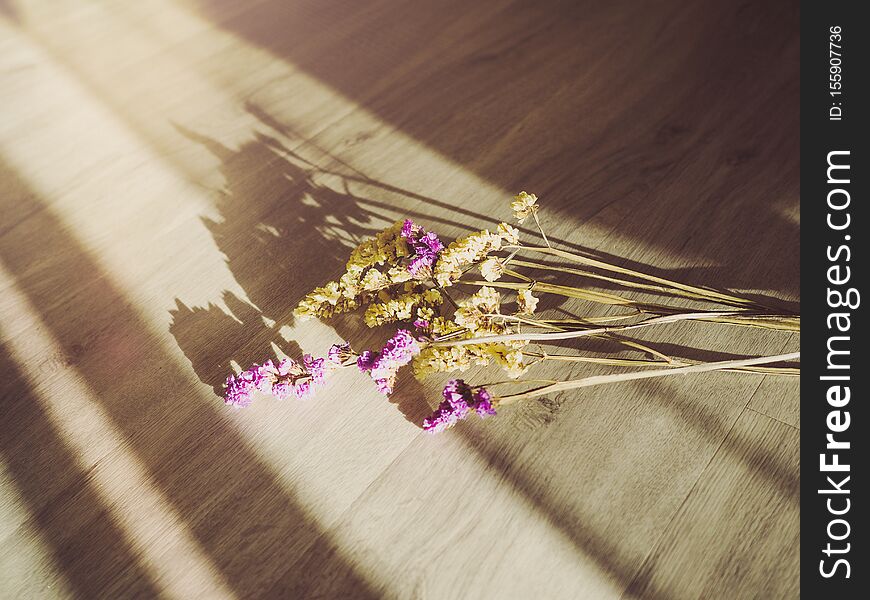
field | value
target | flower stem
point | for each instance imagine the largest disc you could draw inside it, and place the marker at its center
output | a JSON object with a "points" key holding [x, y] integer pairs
{"points": [[564, 335], [541, 229], [713, 295], [606, 379], [657, 363], [623, 282], [746, 316], [446, 295], [519, 276]]}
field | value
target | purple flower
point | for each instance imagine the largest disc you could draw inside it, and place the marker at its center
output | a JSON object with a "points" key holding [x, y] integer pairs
{"points": [[459, 401], [241, 387], [289, 378], [458, 396], [316, 367], [239, 391], [287, 366], [384, 365], [426, 247], [409, 229], [264, 375], [483, 403], [385, 385], [366, 360], [303, 389], [282, 390]]}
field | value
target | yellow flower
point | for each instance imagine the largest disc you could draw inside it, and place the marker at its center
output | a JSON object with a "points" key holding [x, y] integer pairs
{"points": [[351, 282], [526, 302], [425, 313], [472, 312], [400, 307], [385, 248], [324, 302], [360, 276], [524, 205], [491, 269], [374, 280], [511, 360], [399, 274], [442, 326], [435, 359], [463, 253]]}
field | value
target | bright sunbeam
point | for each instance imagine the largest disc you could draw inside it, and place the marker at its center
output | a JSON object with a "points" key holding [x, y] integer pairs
{"points": [[300, 447], [31, 561], [159, 535]]}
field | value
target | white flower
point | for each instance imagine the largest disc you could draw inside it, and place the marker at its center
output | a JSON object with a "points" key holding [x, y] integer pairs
{"points": [[509, 234], [491, 269], [374, 280], [511, 360], [524, 205], [526, 302]]}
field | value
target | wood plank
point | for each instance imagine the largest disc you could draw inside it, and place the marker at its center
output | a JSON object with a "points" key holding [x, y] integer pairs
{"points": [[177, 175], [738, 533]]}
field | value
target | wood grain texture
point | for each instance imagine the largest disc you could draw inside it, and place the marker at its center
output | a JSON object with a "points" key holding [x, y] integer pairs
{"points": [[177, 174]]}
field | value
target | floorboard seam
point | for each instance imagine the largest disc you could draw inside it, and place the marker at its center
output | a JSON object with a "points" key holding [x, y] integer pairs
{"points": [[772, 418]]}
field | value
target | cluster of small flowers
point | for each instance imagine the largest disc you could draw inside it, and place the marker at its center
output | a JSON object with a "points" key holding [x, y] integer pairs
{"points": [[384, 365], [460, 400], [324, 302], [288, 378], [431, 324], [463, 253], [387, 248], [426, 247], [400, 307], [443, 359], [474, 312], [387, 273]]}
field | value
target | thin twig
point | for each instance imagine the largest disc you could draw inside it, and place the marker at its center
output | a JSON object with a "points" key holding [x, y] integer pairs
{"points": [[606, 379], [565, 335], [541, 229]]}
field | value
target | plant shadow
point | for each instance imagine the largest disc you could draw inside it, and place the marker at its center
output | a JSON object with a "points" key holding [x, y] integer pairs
{"points": [[271, 193], [283, 232], [225, 494]]}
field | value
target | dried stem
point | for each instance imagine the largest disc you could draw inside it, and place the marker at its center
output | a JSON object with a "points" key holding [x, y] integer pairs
{"points": [[793, 371], [736, 316], [606, 379], [564, 335], [713, 295], [541, 229]]}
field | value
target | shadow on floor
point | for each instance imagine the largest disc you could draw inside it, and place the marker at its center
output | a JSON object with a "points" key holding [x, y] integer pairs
{"points": [[653, 120], [236, 509], [239, 235], [66, 511]]}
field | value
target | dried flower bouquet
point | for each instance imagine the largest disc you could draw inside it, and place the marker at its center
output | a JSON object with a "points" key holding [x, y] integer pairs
{"points": [[406, 275]]}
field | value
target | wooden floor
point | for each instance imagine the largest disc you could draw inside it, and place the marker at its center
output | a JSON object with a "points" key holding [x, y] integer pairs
{"points": [[176, 174]]}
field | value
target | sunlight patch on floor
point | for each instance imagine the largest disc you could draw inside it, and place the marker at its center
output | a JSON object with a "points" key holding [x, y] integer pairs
{"points": [[26, 565], [158, 211], [153, 528]]}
